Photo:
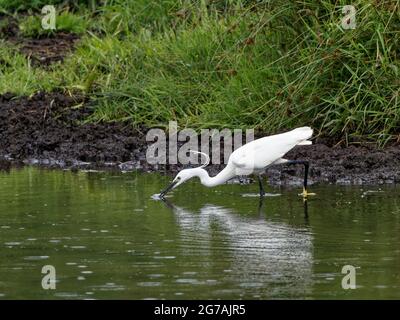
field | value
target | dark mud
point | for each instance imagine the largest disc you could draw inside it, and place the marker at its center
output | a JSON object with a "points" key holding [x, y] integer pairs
{"points": [[49, 130], [42, 51]]}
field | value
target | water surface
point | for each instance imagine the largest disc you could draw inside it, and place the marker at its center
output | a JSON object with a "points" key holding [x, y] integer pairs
{"points": [[107, 239]]}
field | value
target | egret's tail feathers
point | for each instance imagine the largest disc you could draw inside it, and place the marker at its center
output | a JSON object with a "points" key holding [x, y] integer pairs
{"points": [[303, 134], [304, 143]]}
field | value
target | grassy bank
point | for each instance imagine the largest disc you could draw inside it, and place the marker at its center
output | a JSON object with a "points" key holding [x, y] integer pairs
{"points": [[270, 65]]}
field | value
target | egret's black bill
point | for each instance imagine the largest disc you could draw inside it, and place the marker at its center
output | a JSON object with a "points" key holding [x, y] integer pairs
{"points": [[169, 188]]}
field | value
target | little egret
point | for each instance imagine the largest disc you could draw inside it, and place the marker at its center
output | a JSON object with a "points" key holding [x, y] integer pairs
{"points": [[252, 158]]}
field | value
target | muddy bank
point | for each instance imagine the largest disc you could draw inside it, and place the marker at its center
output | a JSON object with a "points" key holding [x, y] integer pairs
{"points": [[42, 51], [49, 130]]}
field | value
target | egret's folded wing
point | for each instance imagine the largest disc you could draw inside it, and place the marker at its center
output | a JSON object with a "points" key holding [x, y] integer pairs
{"points": [[255, 156], [262, 152], [238, 160]]}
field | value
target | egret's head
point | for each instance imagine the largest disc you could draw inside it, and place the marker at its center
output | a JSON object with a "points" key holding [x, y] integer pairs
{"points": [[180, 178], [184, 175]]}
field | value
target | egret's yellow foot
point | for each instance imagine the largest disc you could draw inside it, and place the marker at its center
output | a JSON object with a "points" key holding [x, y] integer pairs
{"points": [[305, 193]]}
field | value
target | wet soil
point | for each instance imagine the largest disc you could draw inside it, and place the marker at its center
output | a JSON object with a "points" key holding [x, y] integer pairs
{"points": [[42, 51], [48, 129]]}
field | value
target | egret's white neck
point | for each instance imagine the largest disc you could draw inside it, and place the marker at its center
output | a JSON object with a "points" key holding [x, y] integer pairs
{"points": [[220, 178]]}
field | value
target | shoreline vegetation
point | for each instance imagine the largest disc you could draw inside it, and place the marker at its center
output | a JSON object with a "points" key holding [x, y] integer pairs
{"points": [[111, 69], [49, 130], [268, 65]]}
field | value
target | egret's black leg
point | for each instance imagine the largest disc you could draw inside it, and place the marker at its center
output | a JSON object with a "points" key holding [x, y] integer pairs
{"points": [[305, 211], [306, 167], [260, 183], [261, 207]]}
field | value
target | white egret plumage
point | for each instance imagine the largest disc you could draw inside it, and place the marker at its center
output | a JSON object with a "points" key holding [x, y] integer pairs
{"points": [[252, 158]]}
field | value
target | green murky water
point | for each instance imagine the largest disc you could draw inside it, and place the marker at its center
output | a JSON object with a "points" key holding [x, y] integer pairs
{"points": [[107, 238]]}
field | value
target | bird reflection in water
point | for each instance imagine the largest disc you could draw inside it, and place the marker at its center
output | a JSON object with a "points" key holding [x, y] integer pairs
{"points": [[261, 255]]}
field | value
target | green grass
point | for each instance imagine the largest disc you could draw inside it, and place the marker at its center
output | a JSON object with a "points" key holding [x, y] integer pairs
{"points": [[24, 5], [31, 26], [17, 75], [270, 65]]}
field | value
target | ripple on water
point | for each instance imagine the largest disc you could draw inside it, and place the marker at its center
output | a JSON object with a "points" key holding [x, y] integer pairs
{"points": [[211, 281], [156, 275], [189, 281], [256, 195], [36, 258], [66, 295], [12, 243], [387, 258], [190, 273], [109, 286], [149, 284]]}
